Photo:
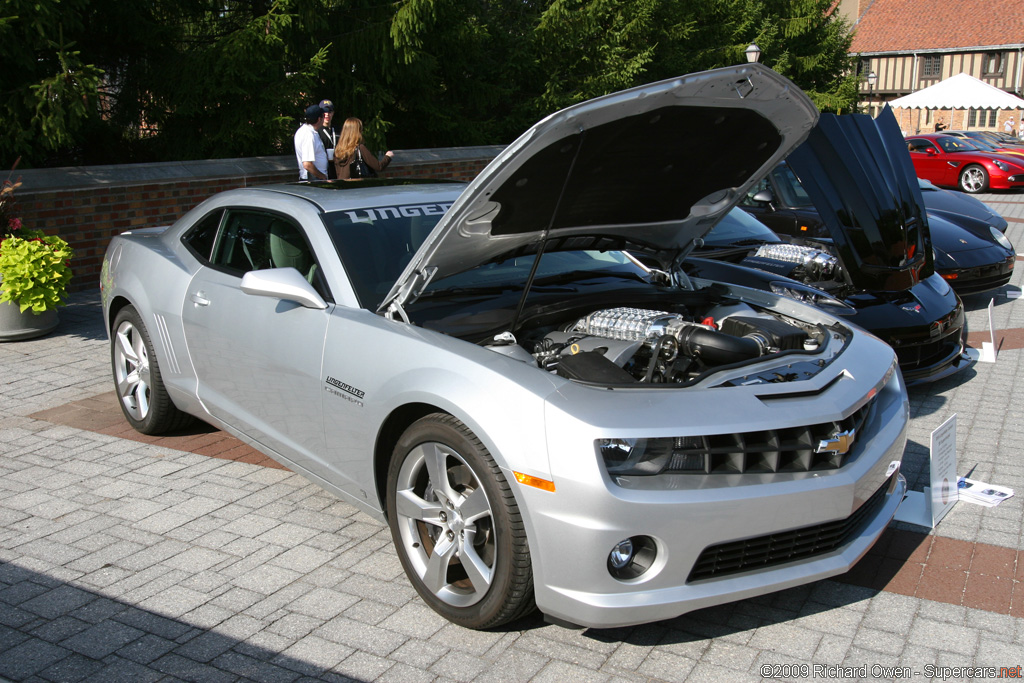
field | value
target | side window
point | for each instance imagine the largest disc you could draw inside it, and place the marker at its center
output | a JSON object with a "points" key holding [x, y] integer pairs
{"points": [[919, 145], [243, 242], [255, 240], [201, 237]]}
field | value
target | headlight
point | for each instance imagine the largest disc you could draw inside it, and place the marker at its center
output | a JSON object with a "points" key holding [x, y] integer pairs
{"points": [[638, 456], [999, 237], [1001, 165], [810, 295]]}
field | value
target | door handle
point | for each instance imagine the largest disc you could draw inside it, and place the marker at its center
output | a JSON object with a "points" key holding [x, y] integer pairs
{"points": [[199, 299]]}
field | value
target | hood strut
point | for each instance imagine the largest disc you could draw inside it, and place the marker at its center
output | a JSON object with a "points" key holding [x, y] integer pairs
{"points": [[544, 237]]}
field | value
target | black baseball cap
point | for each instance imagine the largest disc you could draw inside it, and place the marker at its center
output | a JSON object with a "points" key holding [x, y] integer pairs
{"points": [[327, 105], [313, 112]]}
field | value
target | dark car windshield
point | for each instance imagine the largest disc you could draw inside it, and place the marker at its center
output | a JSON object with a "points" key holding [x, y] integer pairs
{"points": [[555, 268], [739, 227], [793, 193], [949, 144], [375, 244]]}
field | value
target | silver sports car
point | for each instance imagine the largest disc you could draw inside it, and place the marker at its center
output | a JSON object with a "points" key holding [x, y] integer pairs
{"points": [[518, 375]]}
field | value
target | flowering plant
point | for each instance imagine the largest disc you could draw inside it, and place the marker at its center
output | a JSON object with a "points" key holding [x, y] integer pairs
{"points": [[34, 270]]}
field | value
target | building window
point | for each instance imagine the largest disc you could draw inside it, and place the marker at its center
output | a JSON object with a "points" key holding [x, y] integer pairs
{"points": [[931, 66], [976, 118], [864, 68], [993, 64]]}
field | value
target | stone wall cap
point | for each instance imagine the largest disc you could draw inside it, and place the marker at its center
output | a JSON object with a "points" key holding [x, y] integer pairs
{"points": [[71, 177]]}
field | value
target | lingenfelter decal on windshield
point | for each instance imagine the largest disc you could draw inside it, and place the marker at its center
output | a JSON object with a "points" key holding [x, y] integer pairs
{"points": [[409, 211]]}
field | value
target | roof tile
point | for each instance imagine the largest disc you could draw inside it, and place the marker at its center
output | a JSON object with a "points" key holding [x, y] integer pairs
{"points": [[912, 25]]}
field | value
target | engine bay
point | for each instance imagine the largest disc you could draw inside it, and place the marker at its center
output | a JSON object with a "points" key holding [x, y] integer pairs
{"points": [[628, 345]]}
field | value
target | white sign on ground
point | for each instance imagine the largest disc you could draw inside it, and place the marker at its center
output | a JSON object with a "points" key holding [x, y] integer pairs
{"points": [[926, 508], [988, 349]]}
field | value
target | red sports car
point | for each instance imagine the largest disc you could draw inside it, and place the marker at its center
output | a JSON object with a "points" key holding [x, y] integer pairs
{"points": [[957, 162]]}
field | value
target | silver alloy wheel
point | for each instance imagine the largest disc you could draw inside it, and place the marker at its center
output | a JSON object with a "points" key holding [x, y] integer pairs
{"points": [[446, 524], [974, 179], [131, 370]]}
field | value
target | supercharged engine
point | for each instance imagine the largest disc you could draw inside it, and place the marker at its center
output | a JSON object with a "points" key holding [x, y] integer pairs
{"points": [[624, 345], [816, 264], [803, 262]]}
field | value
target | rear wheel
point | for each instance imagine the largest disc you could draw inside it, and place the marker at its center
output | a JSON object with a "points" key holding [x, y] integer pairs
{"points": [[140, 388], [457, 527], [974, 179]]}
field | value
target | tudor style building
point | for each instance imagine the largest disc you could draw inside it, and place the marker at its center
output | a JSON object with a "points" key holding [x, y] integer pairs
{"points": [[906, 45]]}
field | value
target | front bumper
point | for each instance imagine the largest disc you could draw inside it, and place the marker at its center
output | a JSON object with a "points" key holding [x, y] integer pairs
{"points": [[573, 530], [647, 602], [979, 278]]}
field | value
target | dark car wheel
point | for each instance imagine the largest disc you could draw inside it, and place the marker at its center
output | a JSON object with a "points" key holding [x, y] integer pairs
{"points": [[141, 390], [974, 179], [457, 527]]}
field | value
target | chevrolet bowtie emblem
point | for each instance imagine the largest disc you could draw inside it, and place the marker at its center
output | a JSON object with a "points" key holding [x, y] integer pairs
{"points": [[839, 443]]}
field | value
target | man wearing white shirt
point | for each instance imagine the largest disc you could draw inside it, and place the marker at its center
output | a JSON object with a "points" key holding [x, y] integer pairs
{"points": [[309, 149]]}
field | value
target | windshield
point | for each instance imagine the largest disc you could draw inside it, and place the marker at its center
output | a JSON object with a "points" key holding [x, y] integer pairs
{"points": [[739, 227], [376, 243], [555, 268], [950, 144], [793, 193]]}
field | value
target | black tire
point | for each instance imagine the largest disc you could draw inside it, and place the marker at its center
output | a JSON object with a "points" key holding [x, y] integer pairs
{"points": [[974, 179], [487, 578], [140, 388]]}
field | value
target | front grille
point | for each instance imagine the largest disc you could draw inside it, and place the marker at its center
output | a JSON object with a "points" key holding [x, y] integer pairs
{"points": [[793, 449], [787, 546], [916, 356]]}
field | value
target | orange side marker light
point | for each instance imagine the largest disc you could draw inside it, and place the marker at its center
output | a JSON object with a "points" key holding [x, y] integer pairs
{"points": [[535, 482]]}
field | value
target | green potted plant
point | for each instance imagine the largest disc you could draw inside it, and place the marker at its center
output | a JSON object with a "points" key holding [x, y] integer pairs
{"points": [[34, 273]]}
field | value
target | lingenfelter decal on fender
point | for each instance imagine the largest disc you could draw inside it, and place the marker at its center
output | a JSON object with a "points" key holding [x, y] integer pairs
{"points": [[348, 392]]}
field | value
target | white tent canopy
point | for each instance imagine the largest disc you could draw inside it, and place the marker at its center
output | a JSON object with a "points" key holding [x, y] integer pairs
{"points": [[962, 91]]}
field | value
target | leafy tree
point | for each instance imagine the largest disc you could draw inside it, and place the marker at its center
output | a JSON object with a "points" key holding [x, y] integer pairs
{"points": [[107, 81], [458, 70], [235, 83], [47, 89]]}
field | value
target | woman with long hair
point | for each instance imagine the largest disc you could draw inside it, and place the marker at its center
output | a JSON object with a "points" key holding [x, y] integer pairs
{"points": [[350, 148]]}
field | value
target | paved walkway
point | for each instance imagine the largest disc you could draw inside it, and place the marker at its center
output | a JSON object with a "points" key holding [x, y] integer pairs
{"points": [[192, 557]]}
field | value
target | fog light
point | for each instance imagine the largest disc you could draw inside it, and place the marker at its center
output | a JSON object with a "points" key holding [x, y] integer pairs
{"points": [[632, 557], [622, 554]]}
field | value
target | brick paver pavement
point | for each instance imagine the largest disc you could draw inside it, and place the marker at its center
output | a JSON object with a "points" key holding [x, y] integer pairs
{"points": [[193, 558]]}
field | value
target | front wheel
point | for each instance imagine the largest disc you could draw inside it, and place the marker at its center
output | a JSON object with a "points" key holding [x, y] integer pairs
{"points": [[456, 526], [974, 179], [140, 388]]}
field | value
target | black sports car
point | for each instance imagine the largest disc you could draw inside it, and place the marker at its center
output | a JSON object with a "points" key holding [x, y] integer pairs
{"points": [[971, 251], [924, 323], [867, 254]]}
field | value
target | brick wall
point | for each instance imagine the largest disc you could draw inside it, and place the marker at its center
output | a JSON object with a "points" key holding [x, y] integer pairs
{"points": [[87, 206]]}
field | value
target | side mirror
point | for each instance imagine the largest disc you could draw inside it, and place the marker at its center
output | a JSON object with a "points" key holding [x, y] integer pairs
{"points": [[282, 283], [931, 151], [764, 196]]}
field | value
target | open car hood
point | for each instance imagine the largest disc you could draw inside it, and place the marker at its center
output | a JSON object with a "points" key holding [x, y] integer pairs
{"points": [[858, 173], [650, 169]]}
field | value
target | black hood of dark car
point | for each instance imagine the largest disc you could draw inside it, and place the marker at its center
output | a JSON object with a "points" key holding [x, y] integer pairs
{"points": [[858, 173]]}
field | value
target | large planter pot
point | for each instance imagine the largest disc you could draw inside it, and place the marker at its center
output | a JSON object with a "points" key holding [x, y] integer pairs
{"points": [[15, 325]]}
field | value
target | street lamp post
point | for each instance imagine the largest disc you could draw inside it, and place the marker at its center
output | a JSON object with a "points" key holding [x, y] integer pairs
{"points": [[753, 53], [872, 77]]}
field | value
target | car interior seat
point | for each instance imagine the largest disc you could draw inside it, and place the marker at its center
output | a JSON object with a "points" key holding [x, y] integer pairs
{"points": [[289, 250]]}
